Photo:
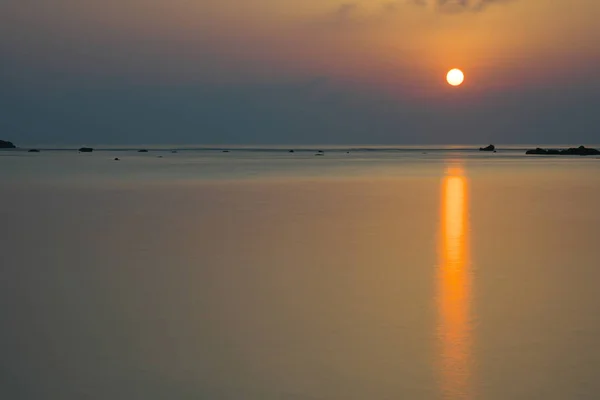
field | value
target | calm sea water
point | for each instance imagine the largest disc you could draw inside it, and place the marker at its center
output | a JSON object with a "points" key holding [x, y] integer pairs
{"points": [[407, 273]]}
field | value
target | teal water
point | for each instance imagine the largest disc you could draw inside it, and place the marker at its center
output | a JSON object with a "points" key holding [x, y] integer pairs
{"points": [[262, 274], [269, 162]]}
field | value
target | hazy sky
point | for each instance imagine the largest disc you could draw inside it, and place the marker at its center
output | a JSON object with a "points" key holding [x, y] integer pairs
{"points": [[299, 71]]}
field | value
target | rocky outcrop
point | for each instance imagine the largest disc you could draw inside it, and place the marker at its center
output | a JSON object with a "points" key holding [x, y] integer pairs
{"points": [[581, 151], [33, 151], [142, 151], [7, 145], [491, 147], [573, 151], [86, 150], [537, 151]]}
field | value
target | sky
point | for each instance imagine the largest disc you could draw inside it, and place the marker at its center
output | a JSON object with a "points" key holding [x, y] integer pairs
{"points": [[299, 71]]}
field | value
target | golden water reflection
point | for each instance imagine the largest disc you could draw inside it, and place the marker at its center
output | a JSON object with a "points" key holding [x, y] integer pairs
{"points": [[454, 289]]}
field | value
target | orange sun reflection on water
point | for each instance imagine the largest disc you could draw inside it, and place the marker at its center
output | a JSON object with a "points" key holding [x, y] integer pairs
{"points": [[454, 289]]}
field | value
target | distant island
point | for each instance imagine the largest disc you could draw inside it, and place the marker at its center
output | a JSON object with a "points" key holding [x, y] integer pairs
{"points": [[573, 151], [7, 145], [491, 147]]}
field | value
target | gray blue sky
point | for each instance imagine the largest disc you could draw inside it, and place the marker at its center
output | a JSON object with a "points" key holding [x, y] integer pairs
{"points": [[298, 71]]}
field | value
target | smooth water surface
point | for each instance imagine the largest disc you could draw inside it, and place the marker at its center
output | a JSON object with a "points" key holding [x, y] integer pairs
{"points": [[262, 274]]}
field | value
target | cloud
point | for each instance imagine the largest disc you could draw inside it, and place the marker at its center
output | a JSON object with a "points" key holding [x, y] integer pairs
{"points": [[455, 6], [346, 11], [364, 11]]}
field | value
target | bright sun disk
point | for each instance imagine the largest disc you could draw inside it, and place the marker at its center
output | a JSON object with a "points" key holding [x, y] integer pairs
{"points": [[455, 77]]}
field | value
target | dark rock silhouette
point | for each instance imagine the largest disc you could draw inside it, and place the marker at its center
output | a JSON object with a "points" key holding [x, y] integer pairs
{"points": [[86, 150], [7, 145], [33, 151], [142, 151], [491, 147], [319, 151], [537, 151], [581, 151], [573, 151], [225, 151], [159, 157], [117, 159], [290, 151], [319, 154]]}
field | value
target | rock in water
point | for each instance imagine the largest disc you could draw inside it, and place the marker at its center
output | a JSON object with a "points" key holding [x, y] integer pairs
{"points": [[86, 150], [33, 151], [142, 151], [7, 145], [573, 151], [536, 151], [491, 147], [580, 151]]}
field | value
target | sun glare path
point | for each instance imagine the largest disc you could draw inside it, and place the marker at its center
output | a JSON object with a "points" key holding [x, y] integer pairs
{"points": [[454, 290]]}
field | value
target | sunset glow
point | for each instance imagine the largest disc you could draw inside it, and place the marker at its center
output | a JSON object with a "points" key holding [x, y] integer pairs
{"points": [[311, 63]]}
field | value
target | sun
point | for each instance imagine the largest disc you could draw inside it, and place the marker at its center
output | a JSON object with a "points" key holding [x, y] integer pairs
{"points": [[455, 77]]}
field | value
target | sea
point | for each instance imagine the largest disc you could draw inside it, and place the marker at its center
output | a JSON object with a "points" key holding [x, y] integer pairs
{"points": [[326, 272]]}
